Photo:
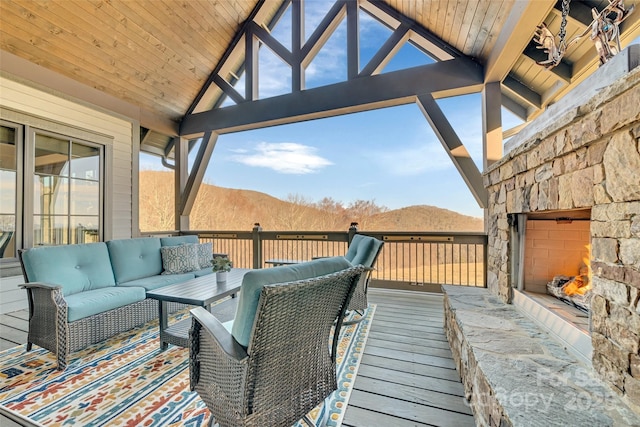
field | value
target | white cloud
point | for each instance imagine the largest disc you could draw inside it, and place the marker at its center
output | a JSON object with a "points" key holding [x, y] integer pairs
{"points": [[284, 157]]}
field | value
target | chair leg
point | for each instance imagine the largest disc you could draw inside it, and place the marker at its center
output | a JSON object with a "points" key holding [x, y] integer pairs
{"points": [[354, 321]]}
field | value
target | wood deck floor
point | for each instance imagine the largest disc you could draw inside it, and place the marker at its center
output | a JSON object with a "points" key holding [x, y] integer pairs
{"points": [[406, 378]]}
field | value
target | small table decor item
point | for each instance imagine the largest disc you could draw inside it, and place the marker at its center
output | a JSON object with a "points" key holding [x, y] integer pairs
{"points": [[221, 266]]}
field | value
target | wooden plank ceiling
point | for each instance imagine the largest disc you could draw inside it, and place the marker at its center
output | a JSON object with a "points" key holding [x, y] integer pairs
{"points": [[156, 55]]}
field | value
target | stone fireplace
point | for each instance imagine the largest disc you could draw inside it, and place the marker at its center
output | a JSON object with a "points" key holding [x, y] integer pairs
{"points": [[572, 178]]}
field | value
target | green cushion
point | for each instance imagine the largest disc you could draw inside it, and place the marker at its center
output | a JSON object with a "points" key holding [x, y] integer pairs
{"points": [[76, 268], [179, 240], [133, 259], [96, 301], [255, 280], [154, 282]]}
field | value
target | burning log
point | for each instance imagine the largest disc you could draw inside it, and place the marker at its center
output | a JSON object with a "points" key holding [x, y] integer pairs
{"points": [[573, 290]]}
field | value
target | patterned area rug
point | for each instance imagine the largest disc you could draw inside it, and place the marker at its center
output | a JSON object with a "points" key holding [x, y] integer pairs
{"points": [[128, 381]]}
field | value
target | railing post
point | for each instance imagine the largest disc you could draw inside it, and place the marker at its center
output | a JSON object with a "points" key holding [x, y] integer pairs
{"points": [[353, 229], [257, 245]]}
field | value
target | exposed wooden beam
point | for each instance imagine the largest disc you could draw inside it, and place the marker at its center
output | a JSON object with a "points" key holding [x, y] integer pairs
{"points": [[324, 31], [229, 52], [251, 46], [229, 90], [181, 175], [454, 148], [425, 40], [491, 124], [579, 13], [515, 107], [387, 51], [458, 75], [563, 70], [297, 40], [197, 172], [353, 40], [523, 92], [515, 36], [273, 44]]}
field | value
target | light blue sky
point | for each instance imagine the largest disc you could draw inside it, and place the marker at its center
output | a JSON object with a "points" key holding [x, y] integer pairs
{"points": [[390, 156]]}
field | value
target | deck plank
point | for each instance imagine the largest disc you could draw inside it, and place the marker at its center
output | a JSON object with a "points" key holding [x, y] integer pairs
{"points": [[360, 417], [414, 393], [409, 410], [408, 339], [410, 367], [407, 376]]}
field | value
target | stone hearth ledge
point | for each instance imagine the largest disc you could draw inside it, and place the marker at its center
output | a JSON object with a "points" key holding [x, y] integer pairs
{"points": [[514, 374]]}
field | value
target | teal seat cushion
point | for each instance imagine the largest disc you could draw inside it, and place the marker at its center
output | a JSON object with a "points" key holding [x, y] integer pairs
{"points": [[76, 268], [154, 282], [134, 259], [363, 250], [255, 280], [97, 301], [179, 240]]}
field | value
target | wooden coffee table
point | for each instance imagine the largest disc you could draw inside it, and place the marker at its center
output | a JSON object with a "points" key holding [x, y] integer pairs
{"points": [[201, 291]]}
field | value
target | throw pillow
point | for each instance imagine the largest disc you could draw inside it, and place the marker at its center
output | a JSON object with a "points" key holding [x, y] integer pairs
{"points": [[205, 253], [179, 259]]}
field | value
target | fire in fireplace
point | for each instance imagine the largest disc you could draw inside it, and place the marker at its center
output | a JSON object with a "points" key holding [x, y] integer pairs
{"points": [[574, 290]]}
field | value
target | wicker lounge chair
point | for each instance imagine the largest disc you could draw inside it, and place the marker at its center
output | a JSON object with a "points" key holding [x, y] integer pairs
{"points": [[363, 250], [288, 368]]}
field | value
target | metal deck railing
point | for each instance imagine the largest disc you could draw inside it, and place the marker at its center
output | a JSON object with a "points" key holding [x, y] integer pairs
{"points": [[408, 260]]}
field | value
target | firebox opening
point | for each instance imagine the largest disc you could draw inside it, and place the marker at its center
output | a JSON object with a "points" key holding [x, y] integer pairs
{"points": [[550, 254]]}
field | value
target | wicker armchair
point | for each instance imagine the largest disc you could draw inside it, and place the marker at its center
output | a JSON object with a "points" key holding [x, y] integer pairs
{"points": [[289, 366]]}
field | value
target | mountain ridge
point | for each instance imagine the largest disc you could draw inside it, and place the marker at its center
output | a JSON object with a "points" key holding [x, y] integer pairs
{"points": [[221, 208]]}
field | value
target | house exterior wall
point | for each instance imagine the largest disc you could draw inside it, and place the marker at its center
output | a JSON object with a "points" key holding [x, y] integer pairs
{"points": [[590, 158], [116, 133]]}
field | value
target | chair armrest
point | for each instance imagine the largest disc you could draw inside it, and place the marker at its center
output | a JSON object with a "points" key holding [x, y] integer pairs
{"points": [[214, 357], [219, 333], [40, 285]]}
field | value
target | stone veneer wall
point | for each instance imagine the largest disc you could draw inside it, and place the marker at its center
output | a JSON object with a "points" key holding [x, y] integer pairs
{"points": [[588, 158]]}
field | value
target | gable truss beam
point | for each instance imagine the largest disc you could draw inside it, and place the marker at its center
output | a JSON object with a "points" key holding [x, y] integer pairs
{"points": [[228, 52], [188, 196], [428, 42], [454, 148], [387, 51], [324, 30], [455, 77]]}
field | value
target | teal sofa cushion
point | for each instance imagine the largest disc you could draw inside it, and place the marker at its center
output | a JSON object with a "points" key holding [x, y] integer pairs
{"points": [[363, 250], [154, 282], [77, 268], [179, 240], [255, 280], [133, 259], [97, 301]]}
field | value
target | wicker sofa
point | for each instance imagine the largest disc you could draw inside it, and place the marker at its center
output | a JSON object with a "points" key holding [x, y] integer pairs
{"points": [[82, 294]]}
